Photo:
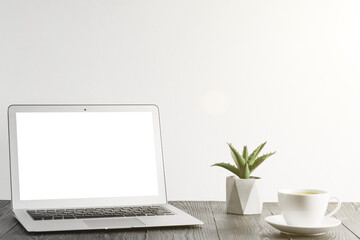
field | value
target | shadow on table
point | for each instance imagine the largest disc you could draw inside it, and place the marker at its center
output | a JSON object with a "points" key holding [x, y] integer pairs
{"points": [[282, 235]]}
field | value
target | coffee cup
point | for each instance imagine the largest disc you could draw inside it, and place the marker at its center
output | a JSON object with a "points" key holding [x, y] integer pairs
{"points": [[305, 207]]}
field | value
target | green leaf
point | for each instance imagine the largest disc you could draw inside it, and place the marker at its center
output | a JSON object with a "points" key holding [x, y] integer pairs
{"points": [[255, 153], [245, 172], [229, 167], [260, 160], [235, 159], [238, 159], [245, 153]]}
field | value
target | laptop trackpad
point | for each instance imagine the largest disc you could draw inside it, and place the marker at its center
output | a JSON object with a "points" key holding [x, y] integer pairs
{"points": [[113, 223]]}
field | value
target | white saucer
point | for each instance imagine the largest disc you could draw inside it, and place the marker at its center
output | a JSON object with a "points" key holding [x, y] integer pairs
{"points": [[279, 223]]}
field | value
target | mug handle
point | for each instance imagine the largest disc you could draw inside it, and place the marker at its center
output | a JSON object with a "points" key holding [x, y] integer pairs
{"points": [[337, 207]]}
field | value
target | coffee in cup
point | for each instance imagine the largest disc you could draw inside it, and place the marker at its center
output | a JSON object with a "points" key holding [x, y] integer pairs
{"points": [[305, 207]]}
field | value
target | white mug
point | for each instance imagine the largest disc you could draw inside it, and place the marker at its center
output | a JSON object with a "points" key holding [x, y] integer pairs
{"points": [[305, 207]]}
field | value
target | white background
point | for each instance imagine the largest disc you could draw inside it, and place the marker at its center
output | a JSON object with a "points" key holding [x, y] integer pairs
{"points": [[243, 71], [86, 155]]}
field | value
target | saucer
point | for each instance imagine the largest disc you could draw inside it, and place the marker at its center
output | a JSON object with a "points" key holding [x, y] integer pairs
{"points": [[279, 223]]}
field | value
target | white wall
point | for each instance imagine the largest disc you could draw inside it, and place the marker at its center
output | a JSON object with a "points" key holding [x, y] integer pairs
{"points": [[243, 71]]}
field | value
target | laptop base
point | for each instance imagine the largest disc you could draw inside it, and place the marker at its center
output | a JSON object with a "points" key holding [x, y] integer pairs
{"points": [[180, 218]]}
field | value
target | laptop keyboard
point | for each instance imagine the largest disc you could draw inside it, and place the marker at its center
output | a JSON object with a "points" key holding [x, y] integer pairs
{"points": [[81, 213]]}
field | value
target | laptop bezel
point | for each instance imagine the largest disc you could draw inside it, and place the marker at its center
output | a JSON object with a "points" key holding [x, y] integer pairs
{"points": [[17, 203]]}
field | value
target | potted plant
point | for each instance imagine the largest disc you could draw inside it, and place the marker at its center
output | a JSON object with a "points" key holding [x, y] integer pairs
{"points": [[242, 190]]}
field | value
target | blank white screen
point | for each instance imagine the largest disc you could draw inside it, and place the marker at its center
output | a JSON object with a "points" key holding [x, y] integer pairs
{"points": [[66, 155]]}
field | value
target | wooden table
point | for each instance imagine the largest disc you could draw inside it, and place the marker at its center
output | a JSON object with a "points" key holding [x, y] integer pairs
{"points": [[217, 225]]}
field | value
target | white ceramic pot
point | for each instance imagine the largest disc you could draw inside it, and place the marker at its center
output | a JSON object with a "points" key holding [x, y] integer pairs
{"points": [[243, 196]]}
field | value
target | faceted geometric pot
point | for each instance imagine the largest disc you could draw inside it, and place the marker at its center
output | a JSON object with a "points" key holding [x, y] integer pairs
{"points": [[243, 195]]}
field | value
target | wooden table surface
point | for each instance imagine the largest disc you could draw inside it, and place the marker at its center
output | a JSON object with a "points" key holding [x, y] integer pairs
{"points": [[217, 225]]}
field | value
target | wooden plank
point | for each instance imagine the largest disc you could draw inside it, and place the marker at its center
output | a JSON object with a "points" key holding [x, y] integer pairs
{"points": [[200, 210], [4, 207], [7, 220], [83, 235], [232, 226], [350, 217], [340, 232], [218, 225]]}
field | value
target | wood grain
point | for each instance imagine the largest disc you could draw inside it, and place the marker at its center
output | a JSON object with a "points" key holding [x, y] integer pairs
{"points": [[199, 210], [217, 225], [232, 226], [350, 217]]}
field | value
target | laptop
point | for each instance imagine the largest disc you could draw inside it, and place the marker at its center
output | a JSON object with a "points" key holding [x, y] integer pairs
{"points": [[78, 167]]}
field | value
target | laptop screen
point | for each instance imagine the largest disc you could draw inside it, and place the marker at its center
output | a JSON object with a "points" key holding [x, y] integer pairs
{"points": [[69, 155]]}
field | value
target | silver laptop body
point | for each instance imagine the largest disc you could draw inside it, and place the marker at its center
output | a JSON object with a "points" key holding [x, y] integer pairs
{"points": [[70, 160]]}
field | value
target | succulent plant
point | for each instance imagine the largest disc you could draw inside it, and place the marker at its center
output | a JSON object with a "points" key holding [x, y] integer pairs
{"points": [[245, 163]]}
